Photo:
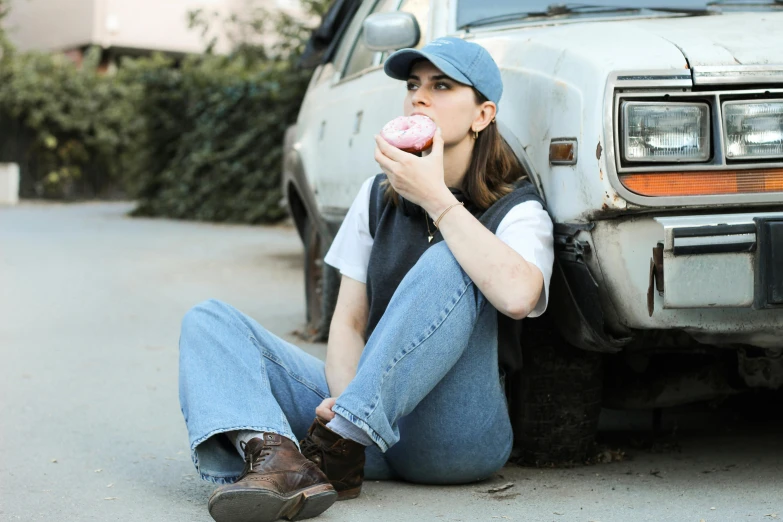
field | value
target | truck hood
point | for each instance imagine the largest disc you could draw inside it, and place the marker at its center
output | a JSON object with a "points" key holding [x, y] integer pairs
{"points": [[729, 39]]}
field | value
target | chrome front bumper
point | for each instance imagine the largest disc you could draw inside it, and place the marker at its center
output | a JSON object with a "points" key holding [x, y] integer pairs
{"points": [[718, 277], [729, 260]]}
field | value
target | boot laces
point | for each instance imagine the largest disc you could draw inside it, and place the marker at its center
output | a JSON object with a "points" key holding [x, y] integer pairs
{"points": [[255, 457], [312, 449], [309, 447]]}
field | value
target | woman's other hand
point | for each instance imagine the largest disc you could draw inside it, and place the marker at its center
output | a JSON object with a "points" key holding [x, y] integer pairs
{"points": [[324, 410], [420, 180]]}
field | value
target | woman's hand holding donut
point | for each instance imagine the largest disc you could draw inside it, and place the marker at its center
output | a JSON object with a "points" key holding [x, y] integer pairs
{"points": [[418, 179]]}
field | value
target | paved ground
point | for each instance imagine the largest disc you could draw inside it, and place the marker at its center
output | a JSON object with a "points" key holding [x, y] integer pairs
{"points": [[90, 427]]}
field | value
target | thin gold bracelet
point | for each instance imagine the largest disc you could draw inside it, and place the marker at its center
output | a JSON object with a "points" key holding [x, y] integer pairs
{"points": [[444, 212]]}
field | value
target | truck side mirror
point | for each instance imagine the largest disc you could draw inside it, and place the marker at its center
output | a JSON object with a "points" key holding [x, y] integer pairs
{"points": [[390, 31]]}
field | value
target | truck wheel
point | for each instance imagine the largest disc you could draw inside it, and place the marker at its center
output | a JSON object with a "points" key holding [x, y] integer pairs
{"points": [[555, 404], [321, 285]]}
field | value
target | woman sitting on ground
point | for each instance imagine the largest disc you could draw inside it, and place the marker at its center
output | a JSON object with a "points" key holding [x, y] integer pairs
{"points": [[441, 256]]}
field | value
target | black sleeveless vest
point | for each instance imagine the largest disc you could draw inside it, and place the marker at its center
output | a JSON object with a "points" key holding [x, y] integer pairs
{"points": [[400, 238]]}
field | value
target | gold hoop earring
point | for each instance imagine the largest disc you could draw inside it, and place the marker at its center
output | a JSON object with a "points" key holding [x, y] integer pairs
{"points": [[475, 135]]}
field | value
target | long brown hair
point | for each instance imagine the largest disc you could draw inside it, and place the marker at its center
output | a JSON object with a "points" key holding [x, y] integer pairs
{"points": [[492, 170]]}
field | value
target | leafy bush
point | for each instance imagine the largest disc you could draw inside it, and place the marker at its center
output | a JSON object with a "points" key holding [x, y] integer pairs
{"points": [[200, 139], [69, 127], [214, 130], [215, 127]]}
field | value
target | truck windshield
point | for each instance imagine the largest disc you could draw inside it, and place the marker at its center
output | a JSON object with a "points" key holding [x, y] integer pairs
{"points": [[474, 13]]}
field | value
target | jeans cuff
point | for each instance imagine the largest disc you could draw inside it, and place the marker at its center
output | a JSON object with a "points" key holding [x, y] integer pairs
{"points": [[216, 476], [260, 429], [362, 425]]}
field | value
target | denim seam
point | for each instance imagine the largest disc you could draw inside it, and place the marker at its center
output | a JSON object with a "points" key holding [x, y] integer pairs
{"points": [[251, 337], [264, 352], [239, 322], [432, 328], [269, 355]]}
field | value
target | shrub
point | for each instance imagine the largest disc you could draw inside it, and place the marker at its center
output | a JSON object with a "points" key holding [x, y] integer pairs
{"points": [[214, 127], [69, 127], [213, 139], [199, 139]]}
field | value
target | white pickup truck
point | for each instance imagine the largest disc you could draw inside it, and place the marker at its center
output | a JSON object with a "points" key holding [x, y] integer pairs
{"points": [[654, 132]]}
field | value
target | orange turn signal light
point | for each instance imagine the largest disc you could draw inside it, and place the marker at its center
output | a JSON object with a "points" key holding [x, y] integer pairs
{"points": [[704, 183], [562, 151]]}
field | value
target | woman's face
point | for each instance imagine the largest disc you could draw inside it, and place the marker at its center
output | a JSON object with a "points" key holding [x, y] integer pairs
{"points": [[450, 104]]}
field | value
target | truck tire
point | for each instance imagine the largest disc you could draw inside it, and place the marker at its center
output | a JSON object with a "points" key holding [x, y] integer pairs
{"points": [[555, 403], [321, 285]]}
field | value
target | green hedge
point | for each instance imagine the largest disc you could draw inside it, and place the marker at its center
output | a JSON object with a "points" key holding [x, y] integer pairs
{"points": [[212, 147], [213, 139], [196, 139], [70, 128]]}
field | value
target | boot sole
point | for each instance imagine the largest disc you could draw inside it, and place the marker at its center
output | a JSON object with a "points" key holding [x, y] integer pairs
{"points": [[259, 505], [348, 494]]}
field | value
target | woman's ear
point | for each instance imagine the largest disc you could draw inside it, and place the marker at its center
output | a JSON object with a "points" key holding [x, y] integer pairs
{"points": [[486, 114]]}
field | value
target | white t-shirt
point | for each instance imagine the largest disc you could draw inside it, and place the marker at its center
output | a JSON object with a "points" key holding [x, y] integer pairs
{"points": [[526, 228]]}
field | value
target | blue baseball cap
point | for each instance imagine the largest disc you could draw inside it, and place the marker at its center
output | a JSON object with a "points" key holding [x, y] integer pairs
{"points": [[463, 61]]}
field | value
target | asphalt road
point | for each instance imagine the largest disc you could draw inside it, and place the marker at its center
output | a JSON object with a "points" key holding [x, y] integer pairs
{"points": [[90, 426]]}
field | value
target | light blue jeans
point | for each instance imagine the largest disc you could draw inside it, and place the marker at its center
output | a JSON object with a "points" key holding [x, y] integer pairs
{"points": [[427, 389]]}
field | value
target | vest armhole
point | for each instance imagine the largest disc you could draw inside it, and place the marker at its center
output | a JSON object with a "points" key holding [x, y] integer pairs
{"points": [[374, 205], [495, 214]]}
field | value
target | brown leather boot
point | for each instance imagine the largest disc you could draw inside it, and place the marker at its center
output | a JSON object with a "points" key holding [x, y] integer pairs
{"points": [[277, 482], [342, 460]]}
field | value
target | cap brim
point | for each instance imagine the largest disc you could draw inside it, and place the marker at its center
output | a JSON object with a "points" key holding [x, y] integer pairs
{"points": [[398, 65]]}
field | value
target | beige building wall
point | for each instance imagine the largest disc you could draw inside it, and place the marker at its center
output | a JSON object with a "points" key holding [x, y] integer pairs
{"points": [[155, 24], [137, 24], [50, 24]]}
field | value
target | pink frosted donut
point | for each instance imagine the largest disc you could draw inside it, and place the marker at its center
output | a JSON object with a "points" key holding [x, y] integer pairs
{"points": [[410, 133]]}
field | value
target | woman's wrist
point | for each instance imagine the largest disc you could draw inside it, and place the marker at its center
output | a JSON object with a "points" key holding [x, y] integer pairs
{"points": [[437, 206]]}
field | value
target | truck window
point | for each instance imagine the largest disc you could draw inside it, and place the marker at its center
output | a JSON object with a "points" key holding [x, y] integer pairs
{"points": [[349, 36]]}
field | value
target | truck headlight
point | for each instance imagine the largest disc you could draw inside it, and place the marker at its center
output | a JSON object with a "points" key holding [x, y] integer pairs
{"points": [[666, 132], [753, 130]]}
